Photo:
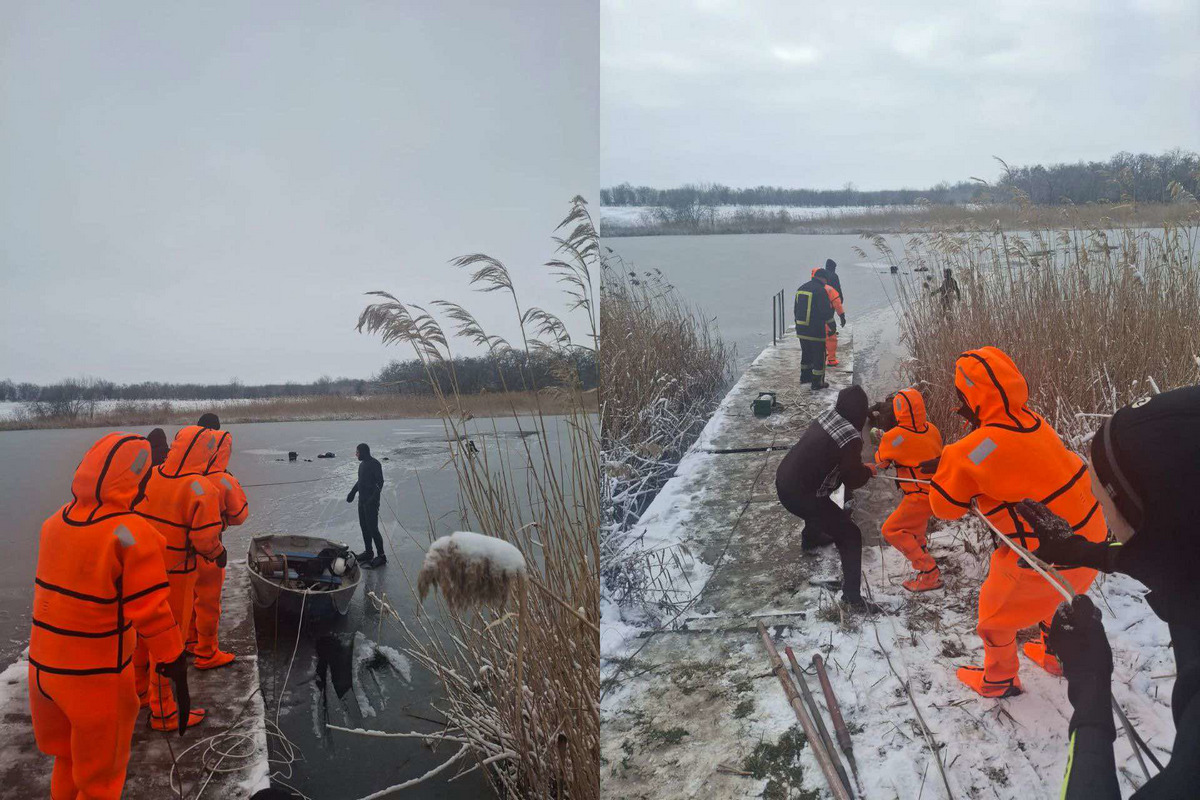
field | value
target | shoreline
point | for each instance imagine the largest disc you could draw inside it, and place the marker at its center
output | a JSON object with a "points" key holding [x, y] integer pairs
{"points": [[311, 409]]}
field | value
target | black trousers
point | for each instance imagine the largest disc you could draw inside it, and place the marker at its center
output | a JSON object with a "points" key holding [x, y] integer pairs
{"points": [[368, 520], [820, 514], [812, 361]]}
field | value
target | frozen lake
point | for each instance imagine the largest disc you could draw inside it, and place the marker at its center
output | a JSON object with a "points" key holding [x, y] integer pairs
{"points": [[732, 278], [307, 497]]}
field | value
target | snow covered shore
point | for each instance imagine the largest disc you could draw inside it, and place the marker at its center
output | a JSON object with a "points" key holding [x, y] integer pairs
{"points": [[691, 709]]}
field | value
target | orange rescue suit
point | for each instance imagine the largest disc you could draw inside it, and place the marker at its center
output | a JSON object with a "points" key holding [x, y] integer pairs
{"points": [[912, 441], [100, 585], [1012, 455], [831, 337], [185, 508], [202, 635]]}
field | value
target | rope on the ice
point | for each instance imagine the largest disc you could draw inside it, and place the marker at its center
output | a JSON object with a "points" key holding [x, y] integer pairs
{"points": [[1068, 592], [285, 483]]}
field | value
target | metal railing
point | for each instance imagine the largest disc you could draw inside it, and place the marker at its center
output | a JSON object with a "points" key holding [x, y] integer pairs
{"points": [[779, 323]]}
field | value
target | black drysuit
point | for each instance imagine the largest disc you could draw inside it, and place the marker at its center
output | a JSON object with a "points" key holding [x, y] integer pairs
{"points": [[813, 312], [829, 454], [368, 489], [1156, 449]]}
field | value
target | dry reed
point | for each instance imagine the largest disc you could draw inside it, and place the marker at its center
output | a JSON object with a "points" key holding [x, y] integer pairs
{"points": [[1091, 315], [544, 499], [663, 370]]}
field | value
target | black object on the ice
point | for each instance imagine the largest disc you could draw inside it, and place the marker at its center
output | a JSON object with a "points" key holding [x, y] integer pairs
{"points": [[293, 455]]}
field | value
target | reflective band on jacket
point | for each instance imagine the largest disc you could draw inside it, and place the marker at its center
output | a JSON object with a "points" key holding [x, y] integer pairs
{"points": [[982, 451]]}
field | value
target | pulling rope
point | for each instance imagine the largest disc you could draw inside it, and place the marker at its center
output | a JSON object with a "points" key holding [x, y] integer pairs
{"points": [[1063, 587]]}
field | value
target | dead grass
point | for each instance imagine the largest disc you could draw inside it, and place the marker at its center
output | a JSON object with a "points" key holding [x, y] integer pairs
{"points": [[1013, 216], [1089, 314], [522, 693], [292, 409]]}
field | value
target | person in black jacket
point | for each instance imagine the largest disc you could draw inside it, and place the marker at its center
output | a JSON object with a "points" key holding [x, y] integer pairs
{"points": [[834, 279], [1145, 472], [813, 311], [368, 489], [828, 455]]}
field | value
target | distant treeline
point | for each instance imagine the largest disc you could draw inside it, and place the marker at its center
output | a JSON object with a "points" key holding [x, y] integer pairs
{"points": [[474, 375], [1142, 178]]}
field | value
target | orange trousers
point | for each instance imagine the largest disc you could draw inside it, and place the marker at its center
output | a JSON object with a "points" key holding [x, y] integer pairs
{"points": [[206, 615], [830, 346], [148, 683], [905, 528], [86, 723], [1012, 598]]}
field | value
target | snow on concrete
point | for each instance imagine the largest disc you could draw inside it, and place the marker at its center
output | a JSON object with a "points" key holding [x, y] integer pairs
{"points": [[690, 708]]}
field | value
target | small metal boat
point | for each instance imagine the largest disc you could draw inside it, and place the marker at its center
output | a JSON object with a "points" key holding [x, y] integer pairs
{"points": [[309, 573]]}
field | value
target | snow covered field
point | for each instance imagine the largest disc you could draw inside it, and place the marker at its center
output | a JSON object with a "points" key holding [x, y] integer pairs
{"points": [[690, 706], [633, 215], [14, 410]]}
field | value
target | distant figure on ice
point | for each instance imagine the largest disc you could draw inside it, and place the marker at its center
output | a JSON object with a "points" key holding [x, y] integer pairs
{"points": [[948, 288], [1145, 470], [909, 440], [828, 455], [368, 489], [813, 311], [1012, 453]]}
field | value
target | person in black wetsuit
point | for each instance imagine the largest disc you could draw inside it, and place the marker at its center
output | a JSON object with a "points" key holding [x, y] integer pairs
{"points": [[1145, 469], [368, 489], [828, 455], [834, 280]]}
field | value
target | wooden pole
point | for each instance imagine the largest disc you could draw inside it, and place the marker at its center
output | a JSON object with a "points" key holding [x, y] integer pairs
{"points": [[819, 720], [810, 731], [835, 713]]}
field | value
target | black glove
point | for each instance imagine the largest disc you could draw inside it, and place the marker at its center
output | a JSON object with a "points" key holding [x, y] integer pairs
{"points": [[350, 497], [222, 559], [1057, 543], [842, 319], [1077, 638], [929, 467], [176, 672]]}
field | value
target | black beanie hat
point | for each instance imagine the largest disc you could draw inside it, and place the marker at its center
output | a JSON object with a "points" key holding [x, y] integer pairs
{"points": [[853, 405], [831, 265], [1147, 456], [209, 420], [158, 446]]}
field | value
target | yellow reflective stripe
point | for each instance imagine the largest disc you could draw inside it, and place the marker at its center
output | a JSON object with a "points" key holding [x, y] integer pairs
{"points": [[810, 338], [807, 309], [1070, 761]]}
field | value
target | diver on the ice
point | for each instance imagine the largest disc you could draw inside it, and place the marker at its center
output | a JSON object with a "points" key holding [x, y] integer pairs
{"points": [[368, 489], [1145, 471]]}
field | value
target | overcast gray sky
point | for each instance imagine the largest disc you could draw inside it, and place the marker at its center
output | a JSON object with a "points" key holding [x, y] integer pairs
{"points": [[194, 193], [887, 94]]}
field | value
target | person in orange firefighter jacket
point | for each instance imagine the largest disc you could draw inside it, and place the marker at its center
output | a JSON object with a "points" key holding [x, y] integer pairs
{"points": [[206, 615], [909, 441], [100, 585], [185, 508], [813, 311], [1012, 454], [831, 337]]}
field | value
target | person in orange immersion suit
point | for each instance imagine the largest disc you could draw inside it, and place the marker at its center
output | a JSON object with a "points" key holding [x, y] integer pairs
{"points": [[831, 337], [1011, 454], [185, 508], [910, 440], [100, 585], [206, 616]]}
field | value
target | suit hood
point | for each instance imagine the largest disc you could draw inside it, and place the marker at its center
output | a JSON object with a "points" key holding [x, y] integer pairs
{"points": [[110, 478], [909, 408], [990, 384], [191, 452], [224, 451]]}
